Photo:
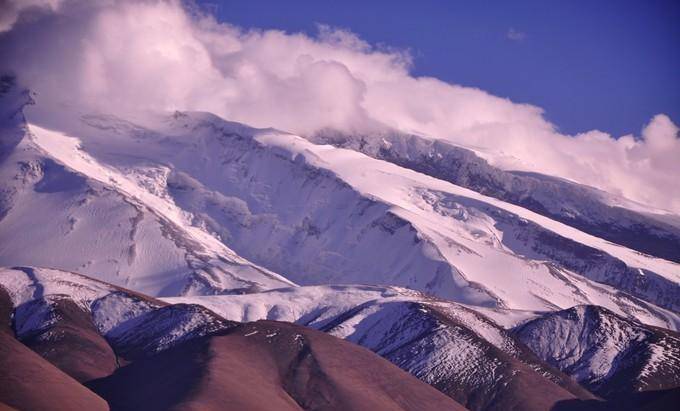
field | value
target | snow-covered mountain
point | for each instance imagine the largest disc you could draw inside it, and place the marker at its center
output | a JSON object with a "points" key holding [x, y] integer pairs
{"points": [[61, 208], [613, 218], [177, 193], [464, 271], [608, 354]]}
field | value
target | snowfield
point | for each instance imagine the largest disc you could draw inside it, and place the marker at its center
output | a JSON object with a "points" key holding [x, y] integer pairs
{"points": [[189, 204], [102, 223]]}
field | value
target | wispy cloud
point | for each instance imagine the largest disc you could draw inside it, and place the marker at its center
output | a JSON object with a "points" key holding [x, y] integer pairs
{"points": [[114, 55], [515, 35]]}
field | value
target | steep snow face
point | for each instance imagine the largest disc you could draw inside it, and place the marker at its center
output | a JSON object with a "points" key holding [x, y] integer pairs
{"points": [[608, 354], [269, 208], [319, 214], [59, 207], [642, 228], [465, 225]]}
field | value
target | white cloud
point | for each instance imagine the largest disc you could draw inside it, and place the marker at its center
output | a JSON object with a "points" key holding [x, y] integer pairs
{"points": [[515, 35], [11, 9], [124, 55]]}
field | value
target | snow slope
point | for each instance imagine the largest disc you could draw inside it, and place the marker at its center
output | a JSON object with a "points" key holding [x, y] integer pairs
{"points": [[175, 194], [418, 196], [616, 219], [61, 208]]}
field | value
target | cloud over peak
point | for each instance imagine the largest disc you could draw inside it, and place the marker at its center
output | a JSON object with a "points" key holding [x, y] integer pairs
{"points": [[123, 55]]}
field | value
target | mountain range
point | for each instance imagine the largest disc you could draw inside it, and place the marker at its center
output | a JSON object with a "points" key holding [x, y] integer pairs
{"points": [[181, 261]]}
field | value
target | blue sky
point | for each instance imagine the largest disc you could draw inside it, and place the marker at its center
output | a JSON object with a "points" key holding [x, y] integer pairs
{"points": [[608, 65]]}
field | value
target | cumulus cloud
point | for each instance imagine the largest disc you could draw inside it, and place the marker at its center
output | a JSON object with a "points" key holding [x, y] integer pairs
{"points": [[10, 10], [117, 55]]}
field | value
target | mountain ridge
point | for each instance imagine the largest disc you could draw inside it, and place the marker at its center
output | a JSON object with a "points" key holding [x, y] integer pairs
{"points": [[176, 240]]}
